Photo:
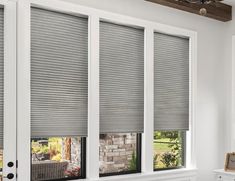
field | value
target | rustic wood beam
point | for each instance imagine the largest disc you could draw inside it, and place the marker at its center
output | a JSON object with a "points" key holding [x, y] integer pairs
{"points": [[218, 11]]}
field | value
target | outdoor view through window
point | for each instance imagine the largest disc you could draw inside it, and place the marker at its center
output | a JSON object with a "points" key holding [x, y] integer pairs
{"points": [[118, 153], [56, 158], [168, 149]]}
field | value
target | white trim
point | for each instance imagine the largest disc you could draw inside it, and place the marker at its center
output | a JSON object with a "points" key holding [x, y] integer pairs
{"points": [[147, 143], [23, 91], [117, 18], [190, 138], [93, 100], [93, 105], [167, 175], [9, 152], [8, 3]]}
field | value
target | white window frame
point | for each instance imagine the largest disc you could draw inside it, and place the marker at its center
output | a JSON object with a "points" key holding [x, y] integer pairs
{"points": [[95, 16], [9, 129]]}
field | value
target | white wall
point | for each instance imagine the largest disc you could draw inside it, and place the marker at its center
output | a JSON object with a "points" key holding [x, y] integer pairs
{"points": [[229, 66], [211, 107]]}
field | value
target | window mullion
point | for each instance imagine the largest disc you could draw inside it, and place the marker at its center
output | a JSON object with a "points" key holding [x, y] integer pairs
{"points": [[23, 90], [147, 141], [93, 99]]}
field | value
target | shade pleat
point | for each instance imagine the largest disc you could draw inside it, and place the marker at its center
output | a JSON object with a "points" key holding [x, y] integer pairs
{"points": [[1, 76], [59, 74], [121, 78], [171, 82]]}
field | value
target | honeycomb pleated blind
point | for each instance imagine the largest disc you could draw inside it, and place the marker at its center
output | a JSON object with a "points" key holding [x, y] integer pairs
{"points": [[59, 74], [171, 82], [121, 78], [1, 75]]}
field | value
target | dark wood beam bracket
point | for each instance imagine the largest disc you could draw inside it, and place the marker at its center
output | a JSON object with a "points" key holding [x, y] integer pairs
{"points": [[218, 11]]}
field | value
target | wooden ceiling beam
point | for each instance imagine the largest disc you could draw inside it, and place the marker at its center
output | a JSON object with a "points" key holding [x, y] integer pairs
{"points": [[218, 11]]}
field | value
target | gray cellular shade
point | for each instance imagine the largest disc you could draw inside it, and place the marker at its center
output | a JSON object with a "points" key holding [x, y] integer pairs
{"points": [[121, 78], [59, 74], [1, 75], [171, 82]]}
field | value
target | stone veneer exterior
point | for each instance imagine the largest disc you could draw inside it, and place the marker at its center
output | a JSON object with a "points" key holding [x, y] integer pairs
{"points": [[116, 152], [75, 150]]}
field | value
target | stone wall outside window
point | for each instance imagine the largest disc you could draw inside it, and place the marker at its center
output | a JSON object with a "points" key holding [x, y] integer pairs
{"points": [[116, 152]]}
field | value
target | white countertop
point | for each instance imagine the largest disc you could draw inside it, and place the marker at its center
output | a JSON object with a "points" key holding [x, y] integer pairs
{"points": [[221, 171]]}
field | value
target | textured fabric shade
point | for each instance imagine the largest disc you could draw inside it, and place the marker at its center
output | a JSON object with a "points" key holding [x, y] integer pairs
{"points": [[1, 75], [59, 74], [171, 82], [121, 78]]}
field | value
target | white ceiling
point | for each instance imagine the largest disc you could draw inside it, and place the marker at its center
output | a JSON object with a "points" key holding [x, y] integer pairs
{"points": [[230, 2]]}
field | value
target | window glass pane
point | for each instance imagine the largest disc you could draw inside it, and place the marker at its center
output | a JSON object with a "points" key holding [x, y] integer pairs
{"points": [[56, 158], [118, 153], [168, 149]]}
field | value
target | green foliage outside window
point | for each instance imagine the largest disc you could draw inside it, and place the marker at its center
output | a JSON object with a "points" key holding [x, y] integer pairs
{"points": [[133, 162], [168, 149], [51, 150]]}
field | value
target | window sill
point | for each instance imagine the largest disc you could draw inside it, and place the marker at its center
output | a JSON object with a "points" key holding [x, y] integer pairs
{"points": [[176, 175]]}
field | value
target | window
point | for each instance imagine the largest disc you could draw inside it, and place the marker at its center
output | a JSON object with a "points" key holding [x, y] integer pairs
{"points": [[121, 98], [171, 100], [59, 95], [58, 158], [169, 149], [120, 153]]}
